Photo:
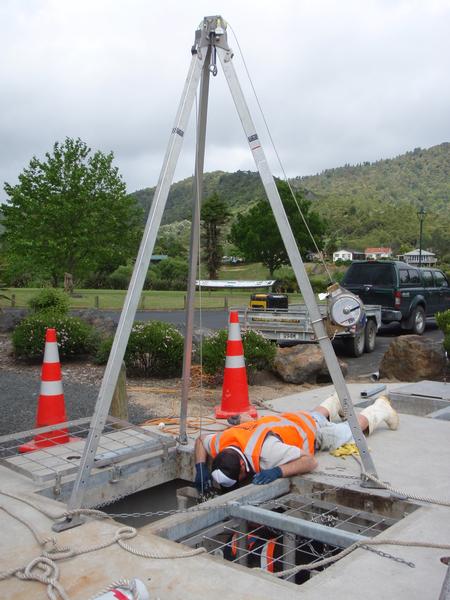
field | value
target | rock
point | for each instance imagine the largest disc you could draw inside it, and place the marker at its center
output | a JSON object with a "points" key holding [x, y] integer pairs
{"points": [[413, 358], [10, 317], [303, 363], [105, 325]]}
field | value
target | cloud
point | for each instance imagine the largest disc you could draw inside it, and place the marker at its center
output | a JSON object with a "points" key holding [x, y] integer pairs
{"points": [[338, 81]]}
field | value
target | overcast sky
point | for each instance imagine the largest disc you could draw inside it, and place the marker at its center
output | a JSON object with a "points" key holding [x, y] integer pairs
{"points": [[339, 81]]}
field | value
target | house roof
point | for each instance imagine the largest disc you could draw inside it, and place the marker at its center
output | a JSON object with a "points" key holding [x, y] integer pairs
{"points": [[378, 250], [424, 253]]}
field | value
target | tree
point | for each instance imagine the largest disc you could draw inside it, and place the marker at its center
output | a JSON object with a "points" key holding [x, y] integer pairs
{"points": [[69, 213], [214, 215], [256, 234]]}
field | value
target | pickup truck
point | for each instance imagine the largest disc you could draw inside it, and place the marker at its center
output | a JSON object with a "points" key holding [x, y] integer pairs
{"points": [[293, 325], [406, 294]]}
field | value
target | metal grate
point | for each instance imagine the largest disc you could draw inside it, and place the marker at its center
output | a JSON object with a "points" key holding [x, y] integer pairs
{"points": [[257, 545], [119, 441]]}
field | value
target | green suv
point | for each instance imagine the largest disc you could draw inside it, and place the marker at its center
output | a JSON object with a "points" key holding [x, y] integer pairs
{"points": [[406, 294]]}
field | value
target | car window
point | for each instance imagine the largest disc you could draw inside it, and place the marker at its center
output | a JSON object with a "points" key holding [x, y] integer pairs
{"points": [[403, 276], [427, 278], [413, 276], [440, 279], [370, 274]]}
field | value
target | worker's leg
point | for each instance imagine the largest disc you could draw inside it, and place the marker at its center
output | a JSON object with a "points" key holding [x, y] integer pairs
{"points": [[330, 408]]}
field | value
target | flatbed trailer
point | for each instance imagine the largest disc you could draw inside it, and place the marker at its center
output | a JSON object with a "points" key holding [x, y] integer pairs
{"points": [[294, 325]]}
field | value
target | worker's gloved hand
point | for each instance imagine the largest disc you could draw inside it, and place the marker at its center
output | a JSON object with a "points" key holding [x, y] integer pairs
{"points": [[203, 481], [267, 475]]}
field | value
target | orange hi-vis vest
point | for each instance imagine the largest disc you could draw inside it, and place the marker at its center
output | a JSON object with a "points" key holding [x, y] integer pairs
{"points": [[294, 429]]}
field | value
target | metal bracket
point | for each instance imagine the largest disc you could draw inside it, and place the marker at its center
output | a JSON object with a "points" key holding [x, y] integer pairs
{"points": [[57, 486], [115, 475], [68, 523]]}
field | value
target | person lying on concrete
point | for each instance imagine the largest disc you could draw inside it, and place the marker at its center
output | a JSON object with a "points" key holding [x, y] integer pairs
{"points": [[262, 450]]}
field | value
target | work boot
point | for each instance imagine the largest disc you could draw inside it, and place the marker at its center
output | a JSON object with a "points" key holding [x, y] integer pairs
{"points": [[381, 411], [333, 406]]}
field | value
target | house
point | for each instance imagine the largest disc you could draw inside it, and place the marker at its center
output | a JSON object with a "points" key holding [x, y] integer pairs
{"points": [[348, 255], [412, 258], [376, 253]]}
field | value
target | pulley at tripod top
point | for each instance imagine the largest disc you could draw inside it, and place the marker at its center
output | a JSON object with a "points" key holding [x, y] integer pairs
{"points": [[344, 308]]}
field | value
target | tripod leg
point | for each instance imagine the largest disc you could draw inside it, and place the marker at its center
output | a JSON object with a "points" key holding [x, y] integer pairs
{"points": [[284, 227], [194, 244], [137, 282]]}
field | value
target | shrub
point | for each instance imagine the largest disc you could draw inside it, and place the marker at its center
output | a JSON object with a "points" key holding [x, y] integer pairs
{"points": [[319, 283], [259, 352], [443, 322], [285, 280], [154, 349], [75, 337], [50, 299], [120, 278], [169, 274]]}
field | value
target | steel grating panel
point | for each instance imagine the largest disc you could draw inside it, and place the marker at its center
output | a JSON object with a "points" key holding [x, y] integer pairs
{"points": [[120, 441]]}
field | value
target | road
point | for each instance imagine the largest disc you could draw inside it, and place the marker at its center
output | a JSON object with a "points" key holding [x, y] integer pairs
{"points": [[357, 367]]}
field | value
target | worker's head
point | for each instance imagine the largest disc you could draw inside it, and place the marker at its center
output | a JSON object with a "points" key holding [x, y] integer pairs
{"points": [[230, 467]]}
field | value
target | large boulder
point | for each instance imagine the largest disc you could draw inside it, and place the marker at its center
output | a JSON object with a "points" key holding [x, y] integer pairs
{"points": [[303, 363], [413, 358]]}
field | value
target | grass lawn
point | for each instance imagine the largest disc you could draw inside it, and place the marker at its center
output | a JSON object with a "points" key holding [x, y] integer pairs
{"points": [[150, 300]]}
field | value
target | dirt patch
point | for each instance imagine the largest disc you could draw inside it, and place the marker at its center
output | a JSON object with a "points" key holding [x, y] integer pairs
{"points": [[160, 396]]}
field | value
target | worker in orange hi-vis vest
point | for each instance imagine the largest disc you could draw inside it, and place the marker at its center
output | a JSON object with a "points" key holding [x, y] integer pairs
{"points": [[262, 450]]}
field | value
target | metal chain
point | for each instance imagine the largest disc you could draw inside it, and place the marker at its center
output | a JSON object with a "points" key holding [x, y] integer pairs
{"points": [[390, 556]]}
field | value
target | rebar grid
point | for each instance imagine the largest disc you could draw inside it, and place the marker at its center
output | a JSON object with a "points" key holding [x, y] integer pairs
{"points": [[325, 513], [237, 538], [119, 441]]}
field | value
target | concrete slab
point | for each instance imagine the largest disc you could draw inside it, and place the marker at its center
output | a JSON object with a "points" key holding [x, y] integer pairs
{"points": [[413, 459]]}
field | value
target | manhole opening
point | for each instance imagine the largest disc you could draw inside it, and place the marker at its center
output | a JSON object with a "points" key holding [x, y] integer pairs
{"points": [[298, 528]]}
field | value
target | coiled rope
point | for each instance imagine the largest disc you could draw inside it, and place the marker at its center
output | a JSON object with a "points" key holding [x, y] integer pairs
{"points": [[44, 569]]}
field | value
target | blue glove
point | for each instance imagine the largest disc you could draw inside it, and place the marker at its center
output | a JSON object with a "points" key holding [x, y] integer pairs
{"points": [[268, 475], [203, 480]]}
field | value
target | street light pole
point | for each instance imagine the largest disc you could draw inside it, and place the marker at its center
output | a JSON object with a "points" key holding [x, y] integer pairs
{"points": [[421, 214]]}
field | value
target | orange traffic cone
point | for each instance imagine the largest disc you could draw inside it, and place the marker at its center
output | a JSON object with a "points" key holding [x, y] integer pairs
{"points": [[235, 388], [51, 409]]}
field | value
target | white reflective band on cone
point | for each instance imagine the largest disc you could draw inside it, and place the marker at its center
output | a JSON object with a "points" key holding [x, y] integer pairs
{"points": [[51, 388], [51, 354], [234, 332], [234, 362]]}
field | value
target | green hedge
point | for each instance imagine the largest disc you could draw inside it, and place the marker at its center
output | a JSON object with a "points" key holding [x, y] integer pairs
{"points": [[75, 337], [259, 352], [154, 349], [50, 299], [443, 322]]}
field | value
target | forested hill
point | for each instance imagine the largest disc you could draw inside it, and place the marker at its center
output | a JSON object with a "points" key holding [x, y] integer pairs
{"points": [[420, 176], [371, 204], [238, 189]]}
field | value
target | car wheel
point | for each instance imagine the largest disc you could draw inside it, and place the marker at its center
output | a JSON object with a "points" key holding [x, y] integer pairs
{"points": [[418, 321], [355, 345], [370, 336]]}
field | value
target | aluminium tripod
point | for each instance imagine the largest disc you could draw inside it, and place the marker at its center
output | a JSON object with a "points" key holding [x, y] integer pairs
{"points": [[210, 42]]}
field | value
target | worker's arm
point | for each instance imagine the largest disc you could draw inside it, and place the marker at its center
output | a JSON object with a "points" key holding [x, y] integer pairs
{"points": [[298, 466], [304, 464], [202, 475], [200, 453]]}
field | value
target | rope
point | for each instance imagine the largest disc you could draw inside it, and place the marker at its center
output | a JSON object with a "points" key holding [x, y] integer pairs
{"points": [[355, 546], [427, 499], [279, 159], [44, 569]]}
